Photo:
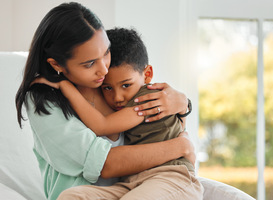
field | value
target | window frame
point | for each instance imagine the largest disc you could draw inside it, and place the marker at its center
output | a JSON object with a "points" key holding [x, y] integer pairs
{"points": [[258, 10]]}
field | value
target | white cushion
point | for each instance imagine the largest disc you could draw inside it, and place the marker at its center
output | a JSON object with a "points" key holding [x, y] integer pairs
{"points": [[18, 165], [9, 194], [214, 190]]}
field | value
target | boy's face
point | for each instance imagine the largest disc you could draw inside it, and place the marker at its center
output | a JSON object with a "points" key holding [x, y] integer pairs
{"points": [[120, 85]]}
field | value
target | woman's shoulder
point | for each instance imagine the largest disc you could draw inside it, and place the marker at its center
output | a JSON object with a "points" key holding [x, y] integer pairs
{"points": [[44, 100]]}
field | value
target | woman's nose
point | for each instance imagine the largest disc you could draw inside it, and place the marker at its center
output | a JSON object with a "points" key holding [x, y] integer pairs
{"points": [[102, 70]]}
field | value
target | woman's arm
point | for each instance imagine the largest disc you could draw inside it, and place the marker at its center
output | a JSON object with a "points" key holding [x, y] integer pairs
{"points": [[72, 149], [169, 100], [127, 160]]}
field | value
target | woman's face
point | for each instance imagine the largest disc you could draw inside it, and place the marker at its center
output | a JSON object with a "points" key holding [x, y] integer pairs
{"points": [[90, 61]]}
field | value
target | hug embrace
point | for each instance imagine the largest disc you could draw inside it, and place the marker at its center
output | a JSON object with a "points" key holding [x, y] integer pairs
{"points": [[95, 118]]}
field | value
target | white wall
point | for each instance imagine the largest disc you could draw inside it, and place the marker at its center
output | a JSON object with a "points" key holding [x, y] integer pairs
{"points": [[167, 27], [240, 9], [6, 24], [19, 19], [158, 22]]}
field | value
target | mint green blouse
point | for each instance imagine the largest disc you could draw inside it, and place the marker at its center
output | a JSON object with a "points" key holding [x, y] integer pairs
{"points": [[69, 154]]}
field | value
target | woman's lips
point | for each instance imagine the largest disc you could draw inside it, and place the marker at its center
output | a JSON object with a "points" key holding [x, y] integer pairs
{"points": [[100, 80]]}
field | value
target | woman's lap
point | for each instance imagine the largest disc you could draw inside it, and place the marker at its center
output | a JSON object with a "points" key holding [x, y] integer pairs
{"points": [[165, 183]]}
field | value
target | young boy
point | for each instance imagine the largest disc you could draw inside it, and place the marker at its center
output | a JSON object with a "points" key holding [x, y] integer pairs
{"points": [[127, 77]]}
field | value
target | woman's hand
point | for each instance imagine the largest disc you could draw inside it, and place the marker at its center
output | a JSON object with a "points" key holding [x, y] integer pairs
{"points": [[166, 102], [42, 80], [188, 148], [131, 159]]}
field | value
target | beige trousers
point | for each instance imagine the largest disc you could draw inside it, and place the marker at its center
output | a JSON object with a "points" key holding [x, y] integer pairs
{"points": [[172, 182]]}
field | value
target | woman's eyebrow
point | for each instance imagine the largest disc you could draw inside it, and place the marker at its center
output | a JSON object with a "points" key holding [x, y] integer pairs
{"points": [[108, 49], [89, 61]]}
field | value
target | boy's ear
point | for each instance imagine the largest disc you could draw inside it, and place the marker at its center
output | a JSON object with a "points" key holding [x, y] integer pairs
{"points": [[58, 68], [148, 73]]}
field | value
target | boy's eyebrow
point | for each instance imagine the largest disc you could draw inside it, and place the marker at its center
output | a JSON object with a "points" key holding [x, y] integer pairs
{"points": [[125, 80], [89, 61], [129, 79]]}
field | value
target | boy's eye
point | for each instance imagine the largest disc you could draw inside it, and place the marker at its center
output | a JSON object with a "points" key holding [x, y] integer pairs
{"points": [[107, 88], [126, 85]]}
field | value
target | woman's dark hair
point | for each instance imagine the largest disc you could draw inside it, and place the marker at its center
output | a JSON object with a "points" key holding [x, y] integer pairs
{"points": [[127, 47], [61, 30]]}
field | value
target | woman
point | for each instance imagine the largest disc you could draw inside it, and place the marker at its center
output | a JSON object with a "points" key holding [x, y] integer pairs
{"points": [[70, 43]]}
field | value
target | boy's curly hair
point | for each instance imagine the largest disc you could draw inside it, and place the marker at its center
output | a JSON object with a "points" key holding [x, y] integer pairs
{"points": [[127, 47]]}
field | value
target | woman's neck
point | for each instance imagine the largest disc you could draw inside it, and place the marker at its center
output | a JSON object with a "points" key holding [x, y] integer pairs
{"points": [[88, 93], [95, 97]]}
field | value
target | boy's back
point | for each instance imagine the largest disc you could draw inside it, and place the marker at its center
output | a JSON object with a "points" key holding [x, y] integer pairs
{"points": [[164, 129]]}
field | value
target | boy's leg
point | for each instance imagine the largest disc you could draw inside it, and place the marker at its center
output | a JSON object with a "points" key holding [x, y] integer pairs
{"points": [[166, 183], [91, 192]]}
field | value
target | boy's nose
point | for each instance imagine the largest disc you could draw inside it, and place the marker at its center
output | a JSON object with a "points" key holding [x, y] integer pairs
{"points": [[118, 98]]}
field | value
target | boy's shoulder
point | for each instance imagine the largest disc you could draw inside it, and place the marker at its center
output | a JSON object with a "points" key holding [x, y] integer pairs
{"points": [[142, 91]]}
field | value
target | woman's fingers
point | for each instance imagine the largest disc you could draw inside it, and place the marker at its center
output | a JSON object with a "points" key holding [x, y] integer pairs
{"points": [[157, 113], [154, 99], [147, 97], [184, 134], [158, 86], [190, 155], [147, 105], [156, 117]]}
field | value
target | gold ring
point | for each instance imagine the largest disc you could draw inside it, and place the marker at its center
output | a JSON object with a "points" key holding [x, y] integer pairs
{"points": [[158, 109]]}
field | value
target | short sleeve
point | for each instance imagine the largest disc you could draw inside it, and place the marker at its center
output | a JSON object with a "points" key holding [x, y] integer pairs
{"points": [[67, 144]]}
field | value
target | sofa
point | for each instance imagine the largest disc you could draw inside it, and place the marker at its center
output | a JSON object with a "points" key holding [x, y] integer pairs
{"points": [[20, 178]]}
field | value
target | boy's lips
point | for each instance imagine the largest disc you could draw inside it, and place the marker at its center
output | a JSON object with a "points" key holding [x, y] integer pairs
{"points": [[119, 107]]}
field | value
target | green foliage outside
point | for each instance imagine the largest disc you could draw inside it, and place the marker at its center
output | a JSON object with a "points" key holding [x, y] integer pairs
{"points": [[250, 188], [230, 99]]}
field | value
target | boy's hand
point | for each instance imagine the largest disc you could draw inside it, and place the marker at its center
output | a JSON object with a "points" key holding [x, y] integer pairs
{"points": [[43, 80], [166, 102]]}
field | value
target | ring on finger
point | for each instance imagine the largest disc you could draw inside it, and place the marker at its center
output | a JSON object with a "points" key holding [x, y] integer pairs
{"points": [[158, 110]]}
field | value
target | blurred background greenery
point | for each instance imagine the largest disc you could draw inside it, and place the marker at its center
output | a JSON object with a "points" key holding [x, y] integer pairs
{"points": [[228, 102]]}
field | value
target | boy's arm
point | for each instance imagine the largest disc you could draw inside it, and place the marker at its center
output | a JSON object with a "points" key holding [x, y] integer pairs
{"points": [[102, 125]]}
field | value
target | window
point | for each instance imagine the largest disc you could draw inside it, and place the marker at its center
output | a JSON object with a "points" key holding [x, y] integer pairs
{"points": [[268, 85], [227, 62]]}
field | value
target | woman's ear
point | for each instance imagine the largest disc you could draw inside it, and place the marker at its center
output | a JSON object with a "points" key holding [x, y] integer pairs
{"points": [[148, 73], [58, 68]]}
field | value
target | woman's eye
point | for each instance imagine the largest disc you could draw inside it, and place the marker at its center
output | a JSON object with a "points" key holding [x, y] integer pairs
{"points": [[107, 52], [126, 85], [89, 65], [107, 88]]}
